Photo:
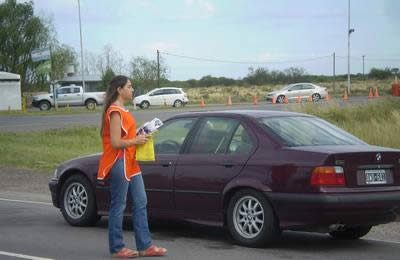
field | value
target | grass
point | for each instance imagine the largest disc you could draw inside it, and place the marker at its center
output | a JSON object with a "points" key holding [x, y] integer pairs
{"points": [[45, 150]]}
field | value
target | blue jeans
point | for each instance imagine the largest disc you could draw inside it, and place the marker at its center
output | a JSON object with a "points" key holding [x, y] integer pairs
{"points": [[119, 187]]}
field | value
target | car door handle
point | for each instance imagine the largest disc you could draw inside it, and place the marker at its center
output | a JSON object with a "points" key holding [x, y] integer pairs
{"points": [[166, 164], [227, 165]]}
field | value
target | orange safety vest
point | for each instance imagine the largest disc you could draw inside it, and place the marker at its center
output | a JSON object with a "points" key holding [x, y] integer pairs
{"points": [[110, 155]]}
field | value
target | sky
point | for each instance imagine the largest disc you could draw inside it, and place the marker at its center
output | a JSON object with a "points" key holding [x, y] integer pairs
{"points": [[274, 34]]}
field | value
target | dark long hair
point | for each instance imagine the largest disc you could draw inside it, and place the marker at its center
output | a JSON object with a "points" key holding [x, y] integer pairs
{"points": [[112, 95]]}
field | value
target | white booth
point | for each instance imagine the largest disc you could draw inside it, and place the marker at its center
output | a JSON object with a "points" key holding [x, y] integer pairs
{"points": [[10, 91]]}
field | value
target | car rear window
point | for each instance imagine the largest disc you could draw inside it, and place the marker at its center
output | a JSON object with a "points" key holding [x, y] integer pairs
{"points": [[307, 131]]}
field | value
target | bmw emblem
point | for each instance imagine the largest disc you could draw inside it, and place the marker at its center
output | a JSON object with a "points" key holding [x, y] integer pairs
{"points": [[378, 157]]}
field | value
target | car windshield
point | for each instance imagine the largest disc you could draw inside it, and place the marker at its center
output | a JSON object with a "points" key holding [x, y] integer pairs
{"points": [[307, 131]]}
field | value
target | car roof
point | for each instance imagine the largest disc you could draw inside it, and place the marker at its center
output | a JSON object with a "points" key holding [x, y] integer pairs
{"points": [[243, 112]]}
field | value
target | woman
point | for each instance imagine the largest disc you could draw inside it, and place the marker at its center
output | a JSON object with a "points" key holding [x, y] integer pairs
{"points": [[118, 163]]}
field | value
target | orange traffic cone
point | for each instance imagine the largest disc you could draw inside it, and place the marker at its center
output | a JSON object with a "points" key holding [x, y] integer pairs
{"points": [[202, 102], [286, 100], [229, 101], [345, 97], [255, 101], [376, 93], [309, 99], [370, 95], [273, 100], [298, 99]]}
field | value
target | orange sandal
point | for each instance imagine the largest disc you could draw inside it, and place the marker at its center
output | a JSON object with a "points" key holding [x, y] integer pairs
{"points": [[153, 251], [126, 253]]}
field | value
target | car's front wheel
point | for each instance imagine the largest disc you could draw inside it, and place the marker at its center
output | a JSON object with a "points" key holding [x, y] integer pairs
{"points": [[350, 233], [144, 104], [251, 219], [78, 202]]}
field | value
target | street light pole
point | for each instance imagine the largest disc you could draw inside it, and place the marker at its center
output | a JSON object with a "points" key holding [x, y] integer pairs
{"points": [[80, 31], [349, 31]]}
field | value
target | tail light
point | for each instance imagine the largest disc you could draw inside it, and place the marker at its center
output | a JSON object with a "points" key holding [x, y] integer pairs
{"points": [[328, 175]]}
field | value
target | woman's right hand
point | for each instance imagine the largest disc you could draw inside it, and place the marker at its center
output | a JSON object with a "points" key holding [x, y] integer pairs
{"points": [[141, 139]]}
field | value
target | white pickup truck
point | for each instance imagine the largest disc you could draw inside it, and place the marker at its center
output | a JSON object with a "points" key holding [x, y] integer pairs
{"points": [[71, 95]]}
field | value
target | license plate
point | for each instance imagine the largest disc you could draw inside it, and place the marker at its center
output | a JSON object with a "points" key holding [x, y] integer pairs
{"points": [[375, 177]]}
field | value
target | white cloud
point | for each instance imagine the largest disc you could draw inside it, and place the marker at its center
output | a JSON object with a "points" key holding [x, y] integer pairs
{"points": [[202, 5]]}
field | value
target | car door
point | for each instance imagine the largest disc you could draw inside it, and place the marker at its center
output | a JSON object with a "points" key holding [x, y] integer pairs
{"points": [[158, 175], [63, 96], [308, 90], [157, 98], [294, 92], [76, 96], [205, 167]]}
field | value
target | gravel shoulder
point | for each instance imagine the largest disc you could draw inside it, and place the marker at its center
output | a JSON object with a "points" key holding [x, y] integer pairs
{"points": [[32, 185]]}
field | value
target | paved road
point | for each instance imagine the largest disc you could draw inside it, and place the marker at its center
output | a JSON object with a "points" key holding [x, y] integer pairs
{"points": [[38, 230], [36, 123]]}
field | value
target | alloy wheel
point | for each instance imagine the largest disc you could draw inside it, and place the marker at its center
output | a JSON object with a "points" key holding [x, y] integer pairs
{"points": [[76, 200], [248, 217]]}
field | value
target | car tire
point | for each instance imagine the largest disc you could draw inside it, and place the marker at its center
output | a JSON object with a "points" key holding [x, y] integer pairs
{"points": [[178, 103], [78, 201], [350, 233], [144, 104], [239, 216], [315, 97], [280, 99], [91, 104], [44, 105]]}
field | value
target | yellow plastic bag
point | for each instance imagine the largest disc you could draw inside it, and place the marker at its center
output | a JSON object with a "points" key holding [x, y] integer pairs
{"points": [[145, 152]]}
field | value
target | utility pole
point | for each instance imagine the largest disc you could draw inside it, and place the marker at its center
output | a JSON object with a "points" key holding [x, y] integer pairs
{"points": [[349, 31], [334, 74], [158, 68], [80, 31], [363, 65]]}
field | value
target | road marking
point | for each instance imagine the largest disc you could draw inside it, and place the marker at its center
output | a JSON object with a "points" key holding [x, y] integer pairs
{"points": [[27, 201], [381, 240], [24, 256]]}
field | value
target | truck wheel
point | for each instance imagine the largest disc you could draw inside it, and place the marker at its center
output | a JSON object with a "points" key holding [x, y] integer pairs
{"points": [[91, 104], [44, 105]]}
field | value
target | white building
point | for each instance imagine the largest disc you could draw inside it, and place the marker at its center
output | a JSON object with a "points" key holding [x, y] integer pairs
{"points": [[10, 91]]}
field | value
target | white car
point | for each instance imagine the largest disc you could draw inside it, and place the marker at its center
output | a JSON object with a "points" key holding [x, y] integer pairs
{"points": [[162, 96], [293, 91]]}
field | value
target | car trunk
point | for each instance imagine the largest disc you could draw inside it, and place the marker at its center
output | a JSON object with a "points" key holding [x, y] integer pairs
{"points": [[366, 166]]}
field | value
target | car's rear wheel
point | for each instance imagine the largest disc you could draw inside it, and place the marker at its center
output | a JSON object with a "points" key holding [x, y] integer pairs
{"points": [[178, 103], [280, 99], [350, 233], [251, 219], [78, 202], [145, 104], [44, 105], [315, 97]]}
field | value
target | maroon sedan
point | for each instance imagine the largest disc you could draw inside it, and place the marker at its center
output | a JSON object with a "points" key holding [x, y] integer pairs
{"points": [[256, 172]]}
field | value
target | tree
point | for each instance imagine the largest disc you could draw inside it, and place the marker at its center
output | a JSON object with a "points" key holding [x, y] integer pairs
{"points": [[380, 73], [144, 72], [20, 33], [106, 78], [62, 56], [110, 58]]}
